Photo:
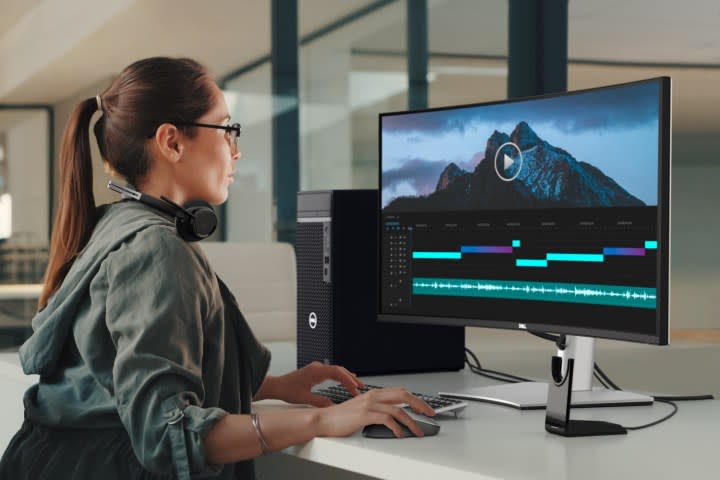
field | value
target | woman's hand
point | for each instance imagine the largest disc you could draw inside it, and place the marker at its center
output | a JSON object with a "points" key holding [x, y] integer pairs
{"points": [[378, 406], [373, 407], [295, 387]]}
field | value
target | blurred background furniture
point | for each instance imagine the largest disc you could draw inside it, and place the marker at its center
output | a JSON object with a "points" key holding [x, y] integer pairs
{"points": [[262, 277], [22, 266]]}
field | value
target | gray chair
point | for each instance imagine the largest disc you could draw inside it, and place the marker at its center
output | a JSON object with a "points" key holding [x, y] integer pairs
{"points": [[262, 278]]}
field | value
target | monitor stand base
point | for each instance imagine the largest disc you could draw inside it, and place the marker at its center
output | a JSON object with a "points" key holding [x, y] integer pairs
{"points": [[586, 428], [534, 395], [557, 418]]}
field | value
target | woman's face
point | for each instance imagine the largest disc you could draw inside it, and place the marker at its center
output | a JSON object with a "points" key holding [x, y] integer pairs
{"points": [[207, 166]]}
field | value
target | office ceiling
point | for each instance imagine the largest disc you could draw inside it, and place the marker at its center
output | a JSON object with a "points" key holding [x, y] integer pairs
{"points": [[13, 10], [51, 49]]}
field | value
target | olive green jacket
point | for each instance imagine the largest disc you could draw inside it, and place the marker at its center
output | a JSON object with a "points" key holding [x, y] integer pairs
{"points": [[143, 335]]}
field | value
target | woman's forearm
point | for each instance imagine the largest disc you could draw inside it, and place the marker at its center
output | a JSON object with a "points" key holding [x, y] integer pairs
{"points": [[233, 438]]}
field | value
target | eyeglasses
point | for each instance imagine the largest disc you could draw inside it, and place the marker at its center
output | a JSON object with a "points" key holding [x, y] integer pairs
{"points": [[233, 131]]}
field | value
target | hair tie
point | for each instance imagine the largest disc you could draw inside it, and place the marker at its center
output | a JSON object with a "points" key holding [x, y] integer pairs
{"points": [[98, 100]]}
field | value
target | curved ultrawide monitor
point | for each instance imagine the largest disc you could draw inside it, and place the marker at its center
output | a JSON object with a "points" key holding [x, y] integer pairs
{"points": [[548, 213]]}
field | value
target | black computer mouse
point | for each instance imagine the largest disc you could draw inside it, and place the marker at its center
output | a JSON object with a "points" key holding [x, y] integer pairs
{"points": [[428, 426]]}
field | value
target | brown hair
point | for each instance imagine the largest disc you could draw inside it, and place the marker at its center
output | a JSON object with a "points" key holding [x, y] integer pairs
{"points": [[145, 95]]}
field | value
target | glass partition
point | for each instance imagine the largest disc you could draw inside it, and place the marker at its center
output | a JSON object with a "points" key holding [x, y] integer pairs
{"points": [[249, 215], [24, 216], [594, 36], [350, 72]]}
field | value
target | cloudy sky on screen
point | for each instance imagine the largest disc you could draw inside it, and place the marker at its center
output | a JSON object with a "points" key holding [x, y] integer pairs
{"points": [[614, 129]]}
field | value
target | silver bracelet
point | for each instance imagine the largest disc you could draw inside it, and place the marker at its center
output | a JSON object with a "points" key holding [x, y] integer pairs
{"points": [[255, 419]]}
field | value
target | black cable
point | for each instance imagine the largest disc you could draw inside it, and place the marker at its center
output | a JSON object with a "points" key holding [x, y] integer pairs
{"points": [[508, 376], [545, 336], [492, 374], [666, 417], [605, 377], [660, 398], [599, 379], [479, 370], [605, 380], [683, 398], [492, 377], [489, 374], [601, 375], [598, 373], [472, 354]]}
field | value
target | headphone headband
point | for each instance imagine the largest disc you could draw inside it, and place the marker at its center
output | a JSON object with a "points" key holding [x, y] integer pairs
{"points": [[194, 221]]}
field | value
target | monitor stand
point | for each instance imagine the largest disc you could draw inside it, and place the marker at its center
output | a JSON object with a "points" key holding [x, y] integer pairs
{"points": [[533, 395]]}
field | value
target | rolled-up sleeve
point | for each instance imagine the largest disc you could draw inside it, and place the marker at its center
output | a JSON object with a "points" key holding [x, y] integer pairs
{"points": [[159, 295]]}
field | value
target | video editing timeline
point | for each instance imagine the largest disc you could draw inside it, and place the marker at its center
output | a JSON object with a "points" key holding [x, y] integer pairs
{"points": [[490, 264], [516, 264]]}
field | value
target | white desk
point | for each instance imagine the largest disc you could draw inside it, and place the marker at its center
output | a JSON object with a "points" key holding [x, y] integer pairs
{"points": [[486, 442], [493, 442]]}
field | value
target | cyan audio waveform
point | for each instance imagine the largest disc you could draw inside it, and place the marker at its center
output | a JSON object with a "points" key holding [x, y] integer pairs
{"points": [[615, 295]]}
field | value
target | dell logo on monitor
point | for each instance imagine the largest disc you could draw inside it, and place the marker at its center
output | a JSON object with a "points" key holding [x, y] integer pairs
{"points": [[522, 326], [312, 320]]}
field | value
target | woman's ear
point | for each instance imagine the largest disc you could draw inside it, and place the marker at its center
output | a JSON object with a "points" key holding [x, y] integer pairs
{"points": [[169, 142]]}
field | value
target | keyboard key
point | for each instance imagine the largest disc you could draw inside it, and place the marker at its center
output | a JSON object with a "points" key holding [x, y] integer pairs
{"points": [[338, 394]]}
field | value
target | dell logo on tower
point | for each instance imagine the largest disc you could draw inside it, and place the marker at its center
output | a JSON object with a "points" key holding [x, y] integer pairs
{"points": [[312, 320]]}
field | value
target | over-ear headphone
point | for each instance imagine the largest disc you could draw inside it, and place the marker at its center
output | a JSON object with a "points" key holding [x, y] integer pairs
{"points": [[194, 221]]}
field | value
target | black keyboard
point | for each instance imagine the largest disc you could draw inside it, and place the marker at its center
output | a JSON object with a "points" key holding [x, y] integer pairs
{"points": [[338, 394]]}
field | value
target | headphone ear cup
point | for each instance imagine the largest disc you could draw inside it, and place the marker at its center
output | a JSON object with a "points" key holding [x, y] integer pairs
{"points": [[201, 225]]}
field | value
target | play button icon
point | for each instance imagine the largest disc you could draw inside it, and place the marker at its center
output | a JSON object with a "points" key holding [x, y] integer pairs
{"points": [[508, 153], [508, 161]]}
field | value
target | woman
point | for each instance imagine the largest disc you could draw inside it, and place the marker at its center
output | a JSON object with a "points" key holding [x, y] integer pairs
{"points": [[147, 367]]}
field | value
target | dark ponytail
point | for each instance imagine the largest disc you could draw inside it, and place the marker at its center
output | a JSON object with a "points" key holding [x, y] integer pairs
{"points": [[75, 215], [145, 95]]}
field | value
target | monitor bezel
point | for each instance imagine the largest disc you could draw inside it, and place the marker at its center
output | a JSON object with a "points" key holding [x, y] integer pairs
{"points": [[661, 336]]}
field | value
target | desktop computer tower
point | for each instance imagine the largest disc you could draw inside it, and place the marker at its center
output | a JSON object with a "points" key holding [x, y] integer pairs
{"points": [[336, 251]]}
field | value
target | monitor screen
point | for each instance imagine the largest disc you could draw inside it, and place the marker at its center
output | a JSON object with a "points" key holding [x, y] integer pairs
{"points": [[548, 213]]}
